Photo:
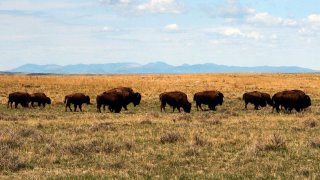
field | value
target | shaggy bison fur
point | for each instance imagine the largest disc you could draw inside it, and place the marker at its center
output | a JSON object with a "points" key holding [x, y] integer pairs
{"points": [[17, 98], [77, 99], [176, 99], [258, 99], [40, 98], [291, 99], [113, 100], [128, 96], [210, 98]]}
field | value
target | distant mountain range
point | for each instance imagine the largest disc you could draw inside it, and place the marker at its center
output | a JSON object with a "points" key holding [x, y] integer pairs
{"points": [[157, 67]]}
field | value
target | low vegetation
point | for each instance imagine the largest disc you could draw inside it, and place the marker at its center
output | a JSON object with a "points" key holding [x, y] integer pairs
{"points": [[229, 143]]}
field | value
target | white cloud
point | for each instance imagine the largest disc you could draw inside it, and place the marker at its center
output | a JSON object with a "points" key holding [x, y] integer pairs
{"points": [[314, 18], [160, 6], [308, 32], [274, 37], [41, 5], [231, 9], [171, 28], [116, 2], [107, 29], [267, 19], [236, 32]]}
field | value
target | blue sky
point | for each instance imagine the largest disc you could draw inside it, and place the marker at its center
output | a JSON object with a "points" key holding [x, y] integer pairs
{"points": [[229, 32]]}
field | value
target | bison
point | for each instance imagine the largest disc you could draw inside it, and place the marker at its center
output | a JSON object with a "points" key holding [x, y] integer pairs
{"points": [[210, 98], [77, 99], [112, 99], [40, 98], [176, 99], [128, 96], [291, 99], [257, 99], [22, 98]]}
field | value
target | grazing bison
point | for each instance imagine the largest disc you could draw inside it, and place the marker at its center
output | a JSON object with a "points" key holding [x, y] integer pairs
{"points": [[176, 99], [77, 99], [291, 99], [22, 98], [210, 98], [128, 96], [113, 100], [257, 99], [40, 98]]}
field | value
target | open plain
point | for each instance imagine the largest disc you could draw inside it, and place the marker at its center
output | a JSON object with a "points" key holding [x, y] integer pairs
{"points": [[142, 142]]}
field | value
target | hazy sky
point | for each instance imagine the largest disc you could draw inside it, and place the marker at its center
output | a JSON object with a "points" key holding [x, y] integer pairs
{"points": [[230, 32]]}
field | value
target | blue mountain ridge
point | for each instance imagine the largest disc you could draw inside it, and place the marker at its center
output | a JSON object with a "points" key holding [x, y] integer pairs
{"points": [[155, 67]]}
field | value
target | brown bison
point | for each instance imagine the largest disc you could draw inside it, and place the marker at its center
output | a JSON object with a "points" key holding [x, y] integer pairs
{"points": [[291, 99], [257, 99], [128, 96], [113, 100], [176, 99], [210, 98], [22, 98], [40, 98], [77, 99]]}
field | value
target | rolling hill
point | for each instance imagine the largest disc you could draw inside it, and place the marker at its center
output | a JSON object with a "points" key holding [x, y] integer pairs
{"points": [[156, 67]]}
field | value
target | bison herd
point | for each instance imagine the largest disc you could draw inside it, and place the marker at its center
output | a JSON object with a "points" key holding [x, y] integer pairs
{"points": [[118, 98]]}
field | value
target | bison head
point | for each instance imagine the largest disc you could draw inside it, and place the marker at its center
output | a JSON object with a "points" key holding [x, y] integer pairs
{"points": [[270, 102], [306, 101], [187, 107], [87, 100], [220, 100], [136, 99], [48, 100]]}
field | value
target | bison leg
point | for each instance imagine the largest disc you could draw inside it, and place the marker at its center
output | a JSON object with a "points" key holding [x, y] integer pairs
{"points": [[212, 107], [117, 109], [99, 108], [75, 107], [125, 107], [179, 108], [104, 107], [80, 107], [163, 106], [110, 108], [246, 105], [173, 108], [68, 105], [290, 109], [9, 102], [200, 105]]}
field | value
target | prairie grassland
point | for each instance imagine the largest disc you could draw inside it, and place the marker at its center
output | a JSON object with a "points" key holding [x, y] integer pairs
{"points": [[144, 143]]}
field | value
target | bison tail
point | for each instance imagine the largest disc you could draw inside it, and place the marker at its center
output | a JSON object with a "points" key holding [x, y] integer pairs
{"points": [[244, 96]]}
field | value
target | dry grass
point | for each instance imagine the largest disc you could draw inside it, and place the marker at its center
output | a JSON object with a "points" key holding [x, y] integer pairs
{"points": [[170, 137], [143, 143], [315, 142]]}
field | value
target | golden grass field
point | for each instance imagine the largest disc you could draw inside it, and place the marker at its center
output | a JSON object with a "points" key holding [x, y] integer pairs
{"points": [[143, 143]]}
